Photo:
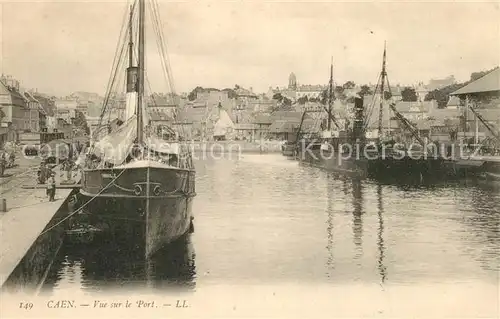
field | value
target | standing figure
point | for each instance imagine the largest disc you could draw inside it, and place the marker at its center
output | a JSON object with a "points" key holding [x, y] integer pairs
{"points": [[68, 167], [12, 158], [42, 177], [3, 163], [51, 187]]}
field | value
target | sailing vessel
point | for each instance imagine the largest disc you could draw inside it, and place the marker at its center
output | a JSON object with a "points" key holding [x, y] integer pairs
{"points": [[136, 186], [330, 150], [392, 159], [355, 151]]}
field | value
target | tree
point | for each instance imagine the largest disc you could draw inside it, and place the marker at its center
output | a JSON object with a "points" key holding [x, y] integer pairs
{"points": [[365, 90], [284, 105], [286, 101], [230, 93], [194, 92], [408, 94], [349, 85], [323, 97], [278, 97], [441, 96], [192, 95], [303, 99]]}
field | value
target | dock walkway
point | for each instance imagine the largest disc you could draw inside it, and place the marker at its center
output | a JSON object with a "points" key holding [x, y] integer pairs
{"points": [[486, 158], [21, 225]]}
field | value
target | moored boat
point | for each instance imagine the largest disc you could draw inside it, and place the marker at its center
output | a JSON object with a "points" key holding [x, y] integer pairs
{"points": [[136, 185], [354, 151]]}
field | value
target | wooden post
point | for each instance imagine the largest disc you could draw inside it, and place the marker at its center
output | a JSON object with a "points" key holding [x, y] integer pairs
{"points": [[466, 109], [3, 205], [476, 133]]}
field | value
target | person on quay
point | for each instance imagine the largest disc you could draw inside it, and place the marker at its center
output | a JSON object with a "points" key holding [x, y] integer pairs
{"points": [[68, 167], [51, 187], [42, 178]]}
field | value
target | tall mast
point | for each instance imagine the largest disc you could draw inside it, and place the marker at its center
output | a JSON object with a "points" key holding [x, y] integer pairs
{"points": [[130, 41], [131, 70], [141, 65], [330, 96], [383, 75]]}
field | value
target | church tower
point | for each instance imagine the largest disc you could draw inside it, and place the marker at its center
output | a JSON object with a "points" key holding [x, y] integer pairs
{"points": [[292, 82]]}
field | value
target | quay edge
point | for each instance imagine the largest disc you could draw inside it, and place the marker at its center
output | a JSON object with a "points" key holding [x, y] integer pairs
{"points": [[26, 255]]}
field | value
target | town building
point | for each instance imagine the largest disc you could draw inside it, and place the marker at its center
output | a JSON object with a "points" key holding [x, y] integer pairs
{"points": [[48, 106], [262, 104], [87, 102], [285, 125], [311, 91], [14, 110], [436, 84], [292, 82], [93, 123], [454, 102], [36, 112], [421, 91]]}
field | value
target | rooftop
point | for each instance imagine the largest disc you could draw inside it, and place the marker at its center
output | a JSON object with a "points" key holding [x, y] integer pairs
{"points": [[488, 83]]}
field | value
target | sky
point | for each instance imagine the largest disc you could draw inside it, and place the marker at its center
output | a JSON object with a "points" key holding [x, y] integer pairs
{"points": [[60, 47]]}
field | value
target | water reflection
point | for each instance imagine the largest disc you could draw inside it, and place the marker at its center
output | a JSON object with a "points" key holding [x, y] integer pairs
{"points": [[104, 268], [357, 221], [380, 236], [330, 188], [484, 221]]}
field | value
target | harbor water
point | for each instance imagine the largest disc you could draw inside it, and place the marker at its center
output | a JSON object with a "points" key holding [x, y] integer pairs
{"points": [[265, 220]]}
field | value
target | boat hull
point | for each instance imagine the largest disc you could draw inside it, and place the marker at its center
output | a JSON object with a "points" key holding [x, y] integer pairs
{"points": [[144, 208], [406, 167], [378, 168], [332, 162]]}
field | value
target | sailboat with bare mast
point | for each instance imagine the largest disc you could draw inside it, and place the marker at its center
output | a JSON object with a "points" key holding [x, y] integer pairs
{"points": [[329, 151], [403, 159], [137, 186], [372, 154]]}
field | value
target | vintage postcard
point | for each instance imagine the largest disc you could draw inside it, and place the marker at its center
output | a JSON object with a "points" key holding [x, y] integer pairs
{"points": [[249, 159]]}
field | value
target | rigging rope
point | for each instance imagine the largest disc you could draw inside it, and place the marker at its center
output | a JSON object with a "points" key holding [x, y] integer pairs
{"points": [[114, 68], [372, 104], [158, 39], [164, 47], [119, 58]]}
